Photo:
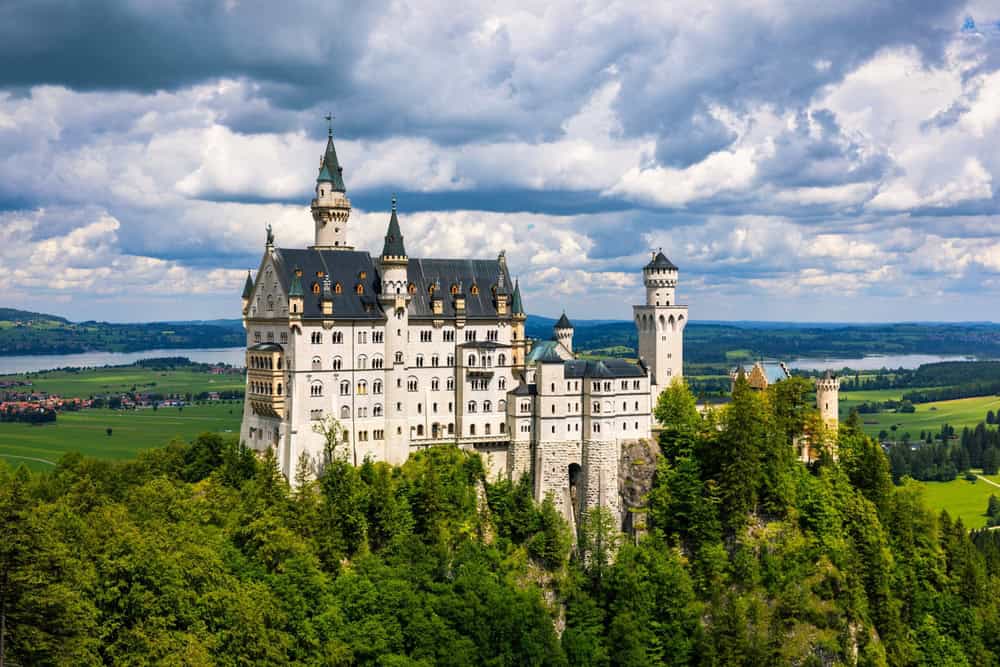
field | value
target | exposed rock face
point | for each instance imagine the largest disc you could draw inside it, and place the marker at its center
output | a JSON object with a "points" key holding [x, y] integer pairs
{"points": [[635, 480]]}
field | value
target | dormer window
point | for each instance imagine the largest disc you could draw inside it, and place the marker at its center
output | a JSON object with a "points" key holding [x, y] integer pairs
{"points": [[337, 288], [475, 290], [315, 288], [362, 275], [320, 274], [411, 288], [454, 288], [359, 289]]}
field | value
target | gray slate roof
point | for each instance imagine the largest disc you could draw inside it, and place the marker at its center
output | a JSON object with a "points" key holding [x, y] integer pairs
{"points": [[331, 171], [516, 306], [604, 368], [345, 267], [563, 323], [660, 261], [248, 287], [393, 237]]}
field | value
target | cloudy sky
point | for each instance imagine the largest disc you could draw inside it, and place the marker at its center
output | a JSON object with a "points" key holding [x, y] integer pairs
{"points": [[826, 161]]}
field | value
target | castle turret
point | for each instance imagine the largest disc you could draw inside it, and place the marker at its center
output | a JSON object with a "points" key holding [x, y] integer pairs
{"points": [[331, 208], [247, 292], [395, 299], [661, 323], [518, 318], [828, 400], [296, 296], [564, 332], [326, 299]]}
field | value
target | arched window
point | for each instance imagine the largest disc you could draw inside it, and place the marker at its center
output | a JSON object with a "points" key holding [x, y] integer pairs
{"points": [[359, 289], [411, 288], [377, 410], [315, 288], [472, 360], [487, 406], [411, 384], [451, 429], [454, 288], [502, 383], [487, 429], [503, 427], [450, 384], [316, 337], [345, 388], [420, 361], [377, 387], [338, 337], [435, 384], [316, 388], [475, 290], [501, 407], [399, 357], [377, 361], [435, 360], [345, 412], [472, 406], [338, 288], [362, 361], [502, 360], [420, 430], [316, 364], [279, 389], [362, 387], [337, 363]]}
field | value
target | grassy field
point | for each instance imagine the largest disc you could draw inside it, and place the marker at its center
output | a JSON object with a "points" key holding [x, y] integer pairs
{"points": [[90, 382], [928, 416], [961, 498], [132, 431]]}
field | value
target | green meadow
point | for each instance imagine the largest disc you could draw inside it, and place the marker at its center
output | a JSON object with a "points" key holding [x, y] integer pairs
{"points": [[39, 447], [90, 382], [928, 416]]}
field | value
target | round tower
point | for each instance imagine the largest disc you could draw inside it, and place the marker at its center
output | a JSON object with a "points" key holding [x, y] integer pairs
{"points": [[331, 208], [564, 332], [828, 399], [660, 323], [660, 279], [395, 300]]}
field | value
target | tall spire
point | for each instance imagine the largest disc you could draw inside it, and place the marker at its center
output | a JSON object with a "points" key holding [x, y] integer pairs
{"points": [[393, 237], [330, 170], [248, 286], [516, 307]]}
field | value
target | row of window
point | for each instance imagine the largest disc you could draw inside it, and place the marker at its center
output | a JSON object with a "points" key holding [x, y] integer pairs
{"points": [[316, 337], [262, 362], [265, 388], [259, 338], [596, 386], [412, 385], [575, 428]]}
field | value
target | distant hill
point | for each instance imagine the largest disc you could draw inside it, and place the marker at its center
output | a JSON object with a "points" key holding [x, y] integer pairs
{"points": [[23, 332]]}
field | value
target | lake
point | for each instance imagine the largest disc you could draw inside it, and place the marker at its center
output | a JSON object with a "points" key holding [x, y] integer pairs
{"points": [[875, 362], [235, 356]]}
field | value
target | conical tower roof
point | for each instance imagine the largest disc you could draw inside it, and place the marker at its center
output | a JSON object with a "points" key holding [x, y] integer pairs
{"points": [[564, 322], [660, 261], [516, 306], [393, 236], [248, 287], [296, 287], [331, 171]]}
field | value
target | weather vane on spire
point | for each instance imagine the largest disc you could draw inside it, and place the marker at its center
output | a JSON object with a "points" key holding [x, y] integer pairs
{"points": [[393, 201], [329, 123]]}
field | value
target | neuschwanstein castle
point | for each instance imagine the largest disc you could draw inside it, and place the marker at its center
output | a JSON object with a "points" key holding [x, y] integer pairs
{"points": [[410, 352]]}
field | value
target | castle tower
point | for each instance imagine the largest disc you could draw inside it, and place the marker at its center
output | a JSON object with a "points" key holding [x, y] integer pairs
{"points": [[247, 293], [518, 318], [395, 299], [828, 400], [564, 332], [661, 323], [331, 208]]}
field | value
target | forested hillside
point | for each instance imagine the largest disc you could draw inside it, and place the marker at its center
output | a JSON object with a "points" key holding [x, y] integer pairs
{"points": [[201, 554], [23, 332]]}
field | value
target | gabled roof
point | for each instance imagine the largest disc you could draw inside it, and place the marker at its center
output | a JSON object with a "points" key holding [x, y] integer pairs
{"points": [[563, 322], [393, 237], [331, 171], [660, 261], [548, 352], [516, 306], [248, 287]]}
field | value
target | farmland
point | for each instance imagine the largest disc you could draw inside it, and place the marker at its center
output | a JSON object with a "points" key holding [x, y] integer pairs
{"points": [[122, 379], [132, 431], [927, 417]]}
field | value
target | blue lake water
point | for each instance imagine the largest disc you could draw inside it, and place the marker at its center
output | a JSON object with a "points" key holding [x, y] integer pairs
{"points": [[875, 362]]}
